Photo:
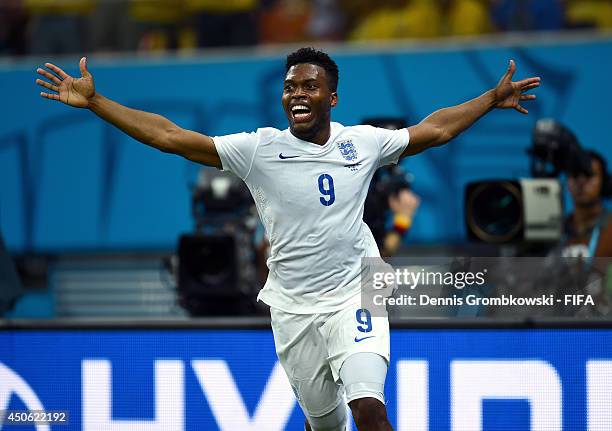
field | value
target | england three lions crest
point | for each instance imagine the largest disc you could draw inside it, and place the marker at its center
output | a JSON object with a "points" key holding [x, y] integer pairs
{"points": [[348, 151]]}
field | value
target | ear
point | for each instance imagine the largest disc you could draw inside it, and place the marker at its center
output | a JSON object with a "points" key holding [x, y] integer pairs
{"points": [[334, 99]]}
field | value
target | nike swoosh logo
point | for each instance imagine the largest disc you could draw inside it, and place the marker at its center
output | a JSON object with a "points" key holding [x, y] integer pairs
{"points": [[280, 156], [357, 340]]}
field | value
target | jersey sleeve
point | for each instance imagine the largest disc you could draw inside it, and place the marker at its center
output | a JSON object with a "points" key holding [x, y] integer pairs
{"points": [[391, 144], [237, 152]]}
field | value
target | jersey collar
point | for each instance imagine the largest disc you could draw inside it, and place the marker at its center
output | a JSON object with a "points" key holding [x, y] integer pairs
{"points": [[335, 129]]}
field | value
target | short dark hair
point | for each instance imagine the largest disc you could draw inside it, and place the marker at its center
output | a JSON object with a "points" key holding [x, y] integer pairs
{"points": [[319, 58]]}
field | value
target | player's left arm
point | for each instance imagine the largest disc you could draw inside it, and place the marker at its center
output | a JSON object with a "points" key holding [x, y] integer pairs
{"points": [[443, 125]]}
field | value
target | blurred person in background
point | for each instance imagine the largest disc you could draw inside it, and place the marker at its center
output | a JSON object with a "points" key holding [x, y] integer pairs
{"points": [[13, 22], [390, 227], [224, 23], [354, 12], [528, 15], [284, 21], [465, 17], [58, 26], [327, 21], [291, 21], [403, 208], [10, 284], [588, 230], [158, 24], [398, 19], [111, 27], [137, 25], [589, 14]]}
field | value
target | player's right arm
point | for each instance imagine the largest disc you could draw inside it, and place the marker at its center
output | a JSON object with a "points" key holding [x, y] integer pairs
{"points": [[148, 128]]}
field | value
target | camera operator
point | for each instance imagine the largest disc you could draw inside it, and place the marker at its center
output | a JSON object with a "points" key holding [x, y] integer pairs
{"points": [[588, 230], [555, 150]]}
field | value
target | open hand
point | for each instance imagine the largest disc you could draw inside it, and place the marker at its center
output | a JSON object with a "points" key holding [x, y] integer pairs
{"points": [[71, 91], [509, 94]]}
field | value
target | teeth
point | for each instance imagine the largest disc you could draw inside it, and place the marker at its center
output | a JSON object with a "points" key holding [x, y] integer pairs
{"points": [[300, 108]]}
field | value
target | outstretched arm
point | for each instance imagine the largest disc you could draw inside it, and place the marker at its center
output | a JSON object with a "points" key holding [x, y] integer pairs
{"points": [[148, 128], [443, 125]]}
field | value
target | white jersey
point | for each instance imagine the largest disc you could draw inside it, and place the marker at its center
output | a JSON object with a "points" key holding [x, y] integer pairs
{"points": [[310, 199]]}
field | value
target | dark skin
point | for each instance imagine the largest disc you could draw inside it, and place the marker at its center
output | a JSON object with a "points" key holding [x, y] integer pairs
{"points": [[307, 85], [585, 190], [369, 415]]}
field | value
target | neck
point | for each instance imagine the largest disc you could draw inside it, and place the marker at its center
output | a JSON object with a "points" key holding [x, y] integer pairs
{"points": [[586, 215], [316, 135]]}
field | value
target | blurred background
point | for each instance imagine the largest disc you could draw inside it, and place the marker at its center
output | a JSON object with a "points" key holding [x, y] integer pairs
{"points": [[94, 224], [128, 277], [32, 27]]}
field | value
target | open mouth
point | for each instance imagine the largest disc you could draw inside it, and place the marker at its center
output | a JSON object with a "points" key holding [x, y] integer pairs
{"points": [[301, 113]]}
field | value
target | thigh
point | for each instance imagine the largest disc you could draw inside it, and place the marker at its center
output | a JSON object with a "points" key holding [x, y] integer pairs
{"points": [[355, 330], [363, 376], [302, 352]]}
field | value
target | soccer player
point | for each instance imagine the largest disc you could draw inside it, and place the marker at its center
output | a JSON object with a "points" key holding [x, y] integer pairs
{"points": [[309, 183]]}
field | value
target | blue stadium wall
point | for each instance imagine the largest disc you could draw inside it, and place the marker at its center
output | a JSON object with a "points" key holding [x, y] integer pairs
{"points": [[70, 182], [230, 380]]}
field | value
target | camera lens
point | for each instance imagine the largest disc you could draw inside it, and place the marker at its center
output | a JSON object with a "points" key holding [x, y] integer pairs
{"points": [[495, 212]]}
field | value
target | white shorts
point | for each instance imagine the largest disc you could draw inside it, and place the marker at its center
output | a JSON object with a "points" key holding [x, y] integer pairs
{"points": [[312, 348]]}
